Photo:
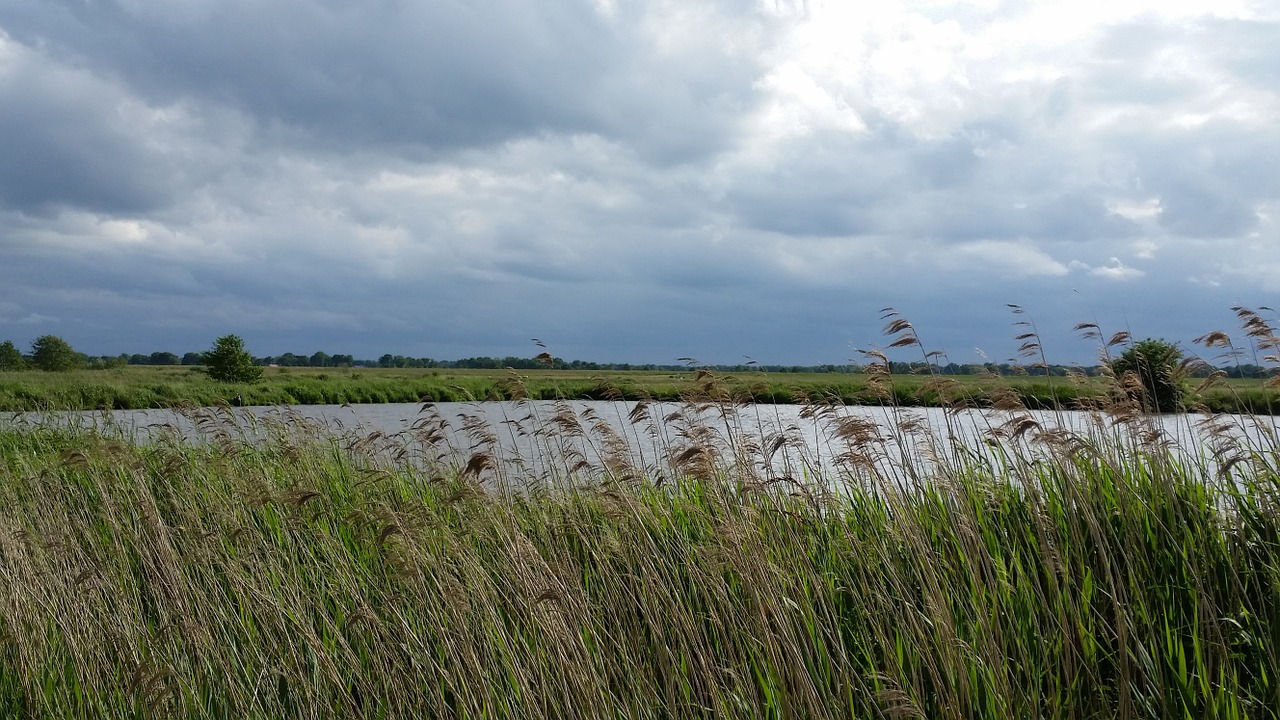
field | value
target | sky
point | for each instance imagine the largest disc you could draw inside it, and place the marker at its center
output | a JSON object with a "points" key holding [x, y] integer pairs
{"points": [[634, 181]]}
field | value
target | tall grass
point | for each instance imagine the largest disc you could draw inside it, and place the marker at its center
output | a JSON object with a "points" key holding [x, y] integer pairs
{"points": [[142, 387], [284, 569]]}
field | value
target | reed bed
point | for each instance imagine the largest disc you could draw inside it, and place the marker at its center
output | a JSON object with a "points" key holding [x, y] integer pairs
{"points": [[276, 568], [142, 387]]}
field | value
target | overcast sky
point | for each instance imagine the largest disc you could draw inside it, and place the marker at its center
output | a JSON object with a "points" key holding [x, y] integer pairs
{"points": [[634, 181]]}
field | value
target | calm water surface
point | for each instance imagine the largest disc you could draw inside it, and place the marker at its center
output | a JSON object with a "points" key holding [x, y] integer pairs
{"points": [[548, 437]]}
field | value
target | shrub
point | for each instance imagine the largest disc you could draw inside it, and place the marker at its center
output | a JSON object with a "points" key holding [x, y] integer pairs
{"points": [[1149, 373], [53, 354], [10, 357], [228, 362]]}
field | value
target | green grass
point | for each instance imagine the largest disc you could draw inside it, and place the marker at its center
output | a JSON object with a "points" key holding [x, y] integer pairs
{"points": [[317, 574], [162, 387]]}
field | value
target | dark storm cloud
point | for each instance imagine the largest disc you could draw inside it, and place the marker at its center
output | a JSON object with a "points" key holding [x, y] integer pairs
{"points": [[1198, 211], [1046, 214], [429, 76], [438, 74], [71, 141], [936, 189], [1211, 180], [629, 181]]}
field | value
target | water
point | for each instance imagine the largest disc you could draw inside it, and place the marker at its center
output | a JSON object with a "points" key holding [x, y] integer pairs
{"points": [[550, 439]]}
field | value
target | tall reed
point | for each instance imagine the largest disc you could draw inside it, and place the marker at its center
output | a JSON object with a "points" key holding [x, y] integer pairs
{"points": [[277, 568]]}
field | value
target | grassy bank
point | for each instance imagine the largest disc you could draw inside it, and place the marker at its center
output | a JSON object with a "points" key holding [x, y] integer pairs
{"points": [[313, 574], [161, 387]]}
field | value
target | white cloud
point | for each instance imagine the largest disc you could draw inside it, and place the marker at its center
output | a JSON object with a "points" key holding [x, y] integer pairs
{"points": [[1003, 259], [1145, 249], [1116, 270], [1143, 210], [125, 231], [1211, 282], [797, 105]]}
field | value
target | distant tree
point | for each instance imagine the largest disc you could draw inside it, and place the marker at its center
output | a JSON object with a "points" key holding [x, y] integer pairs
{"points": [[107, 362], [228, 361], [291, 360], [1149, 373], [163, 358], [52, 354], [482, 363], [10, 357], [319, 359], [1247, 370], [193, 358]]}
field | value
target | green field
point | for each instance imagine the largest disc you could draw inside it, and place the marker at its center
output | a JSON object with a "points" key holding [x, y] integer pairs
{"points": [[288, 571], [160, 386]]}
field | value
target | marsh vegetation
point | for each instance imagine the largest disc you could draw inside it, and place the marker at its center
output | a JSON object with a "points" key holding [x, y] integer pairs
{"points": [[291, 570], [1152, 375], [140, 387], [275, 567]]}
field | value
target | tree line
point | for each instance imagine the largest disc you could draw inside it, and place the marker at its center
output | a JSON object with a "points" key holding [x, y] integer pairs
{"points": [[52, 353]]}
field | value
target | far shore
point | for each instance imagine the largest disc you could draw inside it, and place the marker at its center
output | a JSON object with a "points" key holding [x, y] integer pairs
{"points": [[143, 387]]}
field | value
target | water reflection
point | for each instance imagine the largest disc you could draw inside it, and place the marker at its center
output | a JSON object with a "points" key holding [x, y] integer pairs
{"points": [[550, 440]]}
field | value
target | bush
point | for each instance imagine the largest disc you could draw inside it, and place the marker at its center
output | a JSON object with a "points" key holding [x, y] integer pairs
{"points": [[228, 362], [1149, 373], [10, 357], [51, 353]]}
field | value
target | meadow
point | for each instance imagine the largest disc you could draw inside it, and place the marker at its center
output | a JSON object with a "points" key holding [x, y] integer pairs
{"points": [[138, 387], [289, 570]]}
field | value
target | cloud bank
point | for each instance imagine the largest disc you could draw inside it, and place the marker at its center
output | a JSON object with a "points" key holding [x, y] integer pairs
{"points": [[633, 181]]}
